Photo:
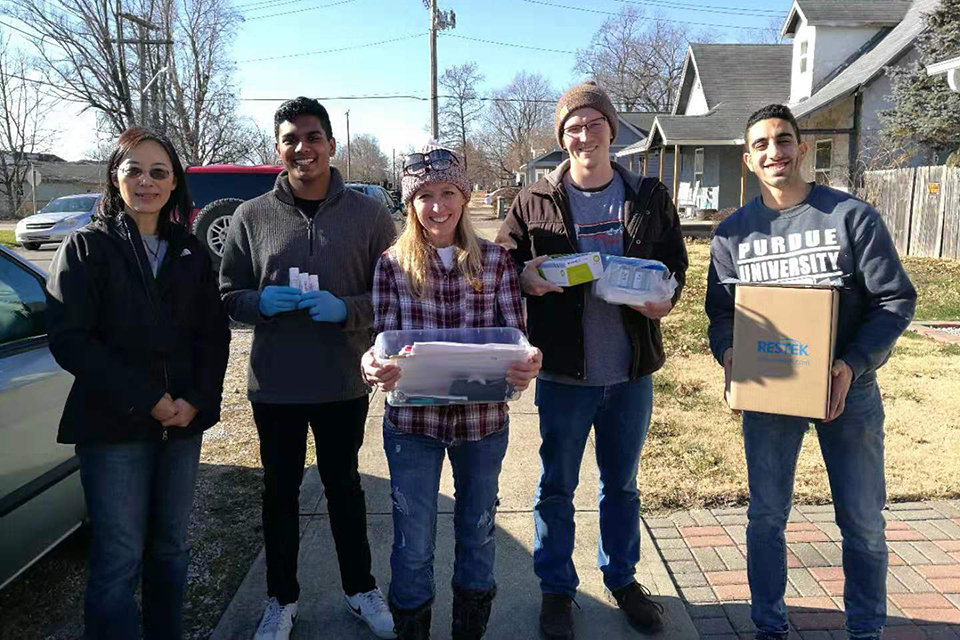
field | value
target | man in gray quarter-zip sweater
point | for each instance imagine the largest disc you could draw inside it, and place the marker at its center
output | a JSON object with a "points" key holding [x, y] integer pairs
{"points": [[809, 233], [304, 365]]}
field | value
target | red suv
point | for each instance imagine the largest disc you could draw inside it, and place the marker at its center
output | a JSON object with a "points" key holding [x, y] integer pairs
{"points": [[217, 191]]}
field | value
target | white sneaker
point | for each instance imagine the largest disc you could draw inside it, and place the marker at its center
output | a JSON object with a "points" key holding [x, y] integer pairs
{"points": [[371, 607], [277, 621]]}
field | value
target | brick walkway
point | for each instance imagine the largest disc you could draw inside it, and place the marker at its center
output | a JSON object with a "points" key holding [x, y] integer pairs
{"points": [[705, 553]]}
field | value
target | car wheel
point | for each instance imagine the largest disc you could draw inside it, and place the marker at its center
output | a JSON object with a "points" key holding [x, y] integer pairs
{"points": [[211, 226], [31, 246]]}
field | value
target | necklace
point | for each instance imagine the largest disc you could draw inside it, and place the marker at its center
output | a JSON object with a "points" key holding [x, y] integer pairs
{"points": [[152, 254]]}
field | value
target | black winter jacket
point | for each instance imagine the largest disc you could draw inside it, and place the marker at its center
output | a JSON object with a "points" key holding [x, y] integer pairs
{"points": [[128, 337], [540, 223]]}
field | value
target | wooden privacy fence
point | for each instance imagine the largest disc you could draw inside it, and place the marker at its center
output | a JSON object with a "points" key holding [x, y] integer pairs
{"points": [[921, 208]]}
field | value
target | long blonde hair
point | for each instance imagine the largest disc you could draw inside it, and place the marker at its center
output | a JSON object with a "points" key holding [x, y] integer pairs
{"points": [[414, 249]]}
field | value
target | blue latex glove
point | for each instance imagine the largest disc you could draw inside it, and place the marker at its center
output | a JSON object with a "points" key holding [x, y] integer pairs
{"points": [[323, 306], [274, 300]]}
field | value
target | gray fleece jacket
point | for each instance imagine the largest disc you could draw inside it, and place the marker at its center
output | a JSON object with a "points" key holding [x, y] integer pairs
{"points": [[294, 360], [833, 237]]}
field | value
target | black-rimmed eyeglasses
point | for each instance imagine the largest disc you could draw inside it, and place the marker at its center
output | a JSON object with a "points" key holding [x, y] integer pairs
{"points": [[438, 160]]}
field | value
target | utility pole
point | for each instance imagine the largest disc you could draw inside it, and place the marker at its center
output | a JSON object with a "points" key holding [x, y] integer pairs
{"points": [[393, 181], [434, 115], [439, 20], [142, 41], [348, 145]]}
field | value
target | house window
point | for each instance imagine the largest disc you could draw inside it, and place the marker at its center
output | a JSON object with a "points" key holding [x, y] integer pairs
{"points": [[823, 162], [698, 167], [803, 56]]}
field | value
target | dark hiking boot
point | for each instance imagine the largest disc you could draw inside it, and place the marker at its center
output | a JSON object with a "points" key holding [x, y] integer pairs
{"points": [[556, 617], [413, 624], [643, 613], [471, 611]]}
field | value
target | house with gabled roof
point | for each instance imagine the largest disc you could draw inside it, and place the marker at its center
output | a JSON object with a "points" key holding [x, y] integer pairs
{"points": [[697, 149], [832, 76], [839, 114]]}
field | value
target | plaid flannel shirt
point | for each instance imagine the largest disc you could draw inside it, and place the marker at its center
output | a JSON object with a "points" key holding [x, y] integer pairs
{"points": [[450, 303]]}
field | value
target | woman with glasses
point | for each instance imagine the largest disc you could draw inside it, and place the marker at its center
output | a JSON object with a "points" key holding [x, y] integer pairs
{"points": [[134, 314], [440, 274]]}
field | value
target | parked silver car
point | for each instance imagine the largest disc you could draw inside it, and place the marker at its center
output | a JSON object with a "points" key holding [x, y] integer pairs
{"points": [[41, 500], [54, 221]]}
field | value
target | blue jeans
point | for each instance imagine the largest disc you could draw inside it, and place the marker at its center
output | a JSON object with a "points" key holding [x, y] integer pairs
{"points": [[139, 497], [415, 462], [852, 447], [620, 414]]}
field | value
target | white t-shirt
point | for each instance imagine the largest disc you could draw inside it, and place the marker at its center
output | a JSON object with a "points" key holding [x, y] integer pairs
{"points": [[446, 256]]}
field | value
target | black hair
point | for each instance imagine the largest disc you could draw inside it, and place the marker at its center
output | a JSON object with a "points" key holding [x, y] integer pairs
{"points": [[177, 208], [289, 110], [777, 111]]}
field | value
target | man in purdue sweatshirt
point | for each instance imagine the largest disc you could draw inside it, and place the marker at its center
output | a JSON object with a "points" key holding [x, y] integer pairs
{"points": [[799, 232], [305, 358]]}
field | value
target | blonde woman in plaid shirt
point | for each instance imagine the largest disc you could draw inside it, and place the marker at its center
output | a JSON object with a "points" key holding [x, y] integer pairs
{"points": [[440, 274]]}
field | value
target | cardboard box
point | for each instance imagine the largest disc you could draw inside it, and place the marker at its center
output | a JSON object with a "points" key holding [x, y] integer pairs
{"points": [[573, 269], [783, 342]]}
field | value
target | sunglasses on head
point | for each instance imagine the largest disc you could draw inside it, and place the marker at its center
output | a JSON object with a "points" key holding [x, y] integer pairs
{"points": [[438, 160], [156, 173]]}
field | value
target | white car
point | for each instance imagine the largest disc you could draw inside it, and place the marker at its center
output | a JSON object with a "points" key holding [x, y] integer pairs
{"points": [[57, 219]]}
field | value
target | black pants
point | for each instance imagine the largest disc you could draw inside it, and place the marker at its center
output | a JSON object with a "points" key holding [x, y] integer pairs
{"points": [[338, 431]]}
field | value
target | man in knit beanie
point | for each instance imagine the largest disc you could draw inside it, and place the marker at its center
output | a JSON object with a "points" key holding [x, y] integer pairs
{"points": [[597, 357]]}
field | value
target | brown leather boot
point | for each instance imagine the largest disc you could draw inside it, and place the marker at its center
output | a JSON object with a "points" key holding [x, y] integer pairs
{"points": [[471, 611]]}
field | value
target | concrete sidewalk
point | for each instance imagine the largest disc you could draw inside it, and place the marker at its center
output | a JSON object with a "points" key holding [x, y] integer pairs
{"points": [[516, 609]]}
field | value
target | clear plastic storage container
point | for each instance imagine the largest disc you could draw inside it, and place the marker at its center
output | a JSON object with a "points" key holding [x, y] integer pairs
{"points": [[452, 366], [634, 281]]}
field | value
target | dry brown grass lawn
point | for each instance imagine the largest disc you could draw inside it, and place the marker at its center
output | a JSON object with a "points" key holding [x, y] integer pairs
{"points": [[694, 453]]}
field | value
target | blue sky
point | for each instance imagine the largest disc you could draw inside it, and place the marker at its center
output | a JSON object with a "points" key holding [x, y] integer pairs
{"points": [[402, 66]]}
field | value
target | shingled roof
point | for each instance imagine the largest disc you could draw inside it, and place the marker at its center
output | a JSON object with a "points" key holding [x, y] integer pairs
{"points": [[900, 39], [762, 76], [640, 120], [748, 73], [845, 13]]}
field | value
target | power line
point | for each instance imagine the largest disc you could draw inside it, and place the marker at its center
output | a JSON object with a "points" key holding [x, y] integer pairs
{"points": [[610, 13], [286, 13], [336, 50], [508, 44], [401, 97], [672, 4]]}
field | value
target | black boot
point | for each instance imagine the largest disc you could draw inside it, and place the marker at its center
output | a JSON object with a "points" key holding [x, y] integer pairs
{"points": [[413, 624], [471, 611], [556, 617]]}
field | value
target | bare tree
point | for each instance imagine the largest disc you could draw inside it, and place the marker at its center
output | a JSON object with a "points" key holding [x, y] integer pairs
{"points": [[637, 60], [23, 109], [520, 122], [461, 107], [202, 98], [367, 162], [770, 33], [260, 144], [185, 90]]}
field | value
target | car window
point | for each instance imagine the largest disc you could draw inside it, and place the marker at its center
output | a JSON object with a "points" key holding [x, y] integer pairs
{"points": [[207, 187], [69, 205], [22, 303]]}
